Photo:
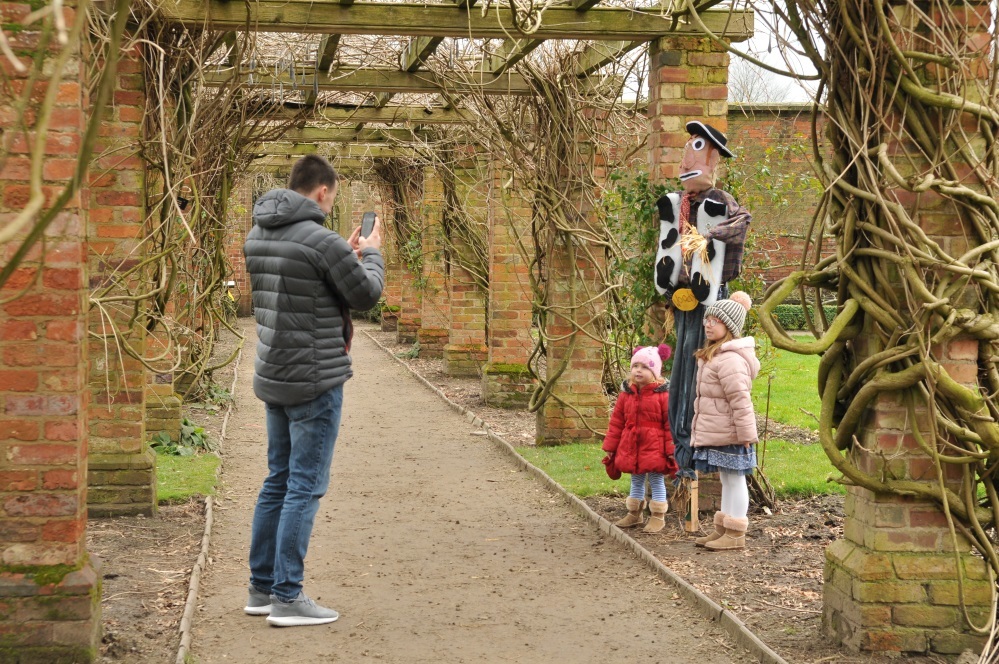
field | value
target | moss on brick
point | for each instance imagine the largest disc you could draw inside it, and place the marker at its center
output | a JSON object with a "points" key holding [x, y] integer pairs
{"points": [[42, 575], [509, 369]]}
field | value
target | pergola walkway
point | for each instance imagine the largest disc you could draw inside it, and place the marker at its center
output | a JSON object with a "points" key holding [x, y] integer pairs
{"points": [[435, 548]]}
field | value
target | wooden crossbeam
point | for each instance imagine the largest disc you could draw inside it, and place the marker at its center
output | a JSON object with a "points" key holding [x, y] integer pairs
{"points": [[598, 54], [375, 80], [379, 115], [327, 49], [283, 164], [413, 56], [345, 150], [509, 53], [327, 17], [324, 58], [348, 135]]}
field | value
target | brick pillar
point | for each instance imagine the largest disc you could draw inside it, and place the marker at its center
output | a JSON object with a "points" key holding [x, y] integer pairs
{"points": [[466, 351], [436, 305], [893, 583], [239, 217], [393, 288], [506, 381], [688, 80], [409, 313], [577, 409], [122, 469], [49, 585]]}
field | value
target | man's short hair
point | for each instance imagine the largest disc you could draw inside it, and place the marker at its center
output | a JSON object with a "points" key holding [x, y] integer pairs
{"points": [[311, 172]]}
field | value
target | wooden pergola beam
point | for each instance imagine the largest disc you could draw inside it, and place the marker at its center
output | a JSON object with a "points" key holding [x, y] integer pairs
{"points": [[374, 80], [598, 54], [284, 164], [327, 17], [324, 58], [345, 150], [417, 51], [380, 115], [326, 51], [509, 53], [348, 135]]}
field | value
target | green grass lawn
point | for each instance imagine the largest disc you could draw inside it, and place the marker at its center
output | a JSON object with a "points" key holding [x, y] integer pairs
{"points": [[794, 470], [793, 391], [178, 478]]}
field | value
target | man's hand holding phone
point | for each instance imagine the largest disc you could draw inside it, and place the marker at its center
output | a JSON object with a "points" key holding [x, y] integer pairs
{"points": [[368, 234]]}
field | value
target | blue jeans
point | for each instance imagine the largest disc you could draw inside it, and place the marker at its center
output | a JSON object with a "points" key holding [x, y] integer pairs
{"points": [[300, 441]]}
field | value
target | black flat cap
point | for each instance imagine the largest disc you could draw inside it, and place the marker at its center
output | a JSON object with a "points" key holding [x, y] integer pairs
{"points": [[707, 131]]}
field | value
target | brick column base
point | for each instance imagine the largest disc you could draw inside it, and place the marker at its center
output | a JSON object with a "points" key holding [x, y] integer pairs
{"points": [[122, 484], [163, 407], [464, 360], [902, 602], [408, 331], [506, 385], [432, 341], [390, 318], [708, 493], [58, 614]]}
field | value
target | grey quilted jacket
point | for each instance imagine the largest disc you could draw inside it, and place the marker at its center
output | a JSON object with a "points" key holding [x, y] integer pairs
{"points": [[304, 278]]}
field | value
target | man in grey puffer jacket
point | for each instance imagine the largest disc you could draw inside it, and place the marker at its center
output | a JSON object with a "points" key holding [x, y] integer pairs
{"points": [[305, 281]]}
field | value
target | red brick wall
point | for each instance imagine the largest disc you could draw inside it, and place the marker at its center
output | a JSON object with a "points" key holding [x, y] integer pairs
{"points": [[44, 391], [772, 175], [43, 396], [115, 232]]}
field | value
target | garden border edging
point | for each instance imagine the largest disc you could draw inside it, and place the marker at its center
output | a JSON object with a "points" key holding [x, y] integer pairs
{"points": [[705, 605]]}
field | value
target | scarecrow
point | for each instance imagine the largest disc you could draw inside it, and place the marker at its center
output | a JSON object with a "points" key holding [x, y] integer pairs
{"points": [[701, 239]]}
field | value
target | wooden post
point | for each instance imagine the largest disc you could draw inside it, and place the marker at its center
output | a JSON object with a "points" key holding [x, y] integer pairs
{"points": [[692, 523]]}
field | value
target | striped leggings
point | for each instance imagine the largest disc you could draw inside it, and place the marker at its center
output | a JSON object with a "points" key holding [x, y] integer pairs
{"points": [[657, 481]]}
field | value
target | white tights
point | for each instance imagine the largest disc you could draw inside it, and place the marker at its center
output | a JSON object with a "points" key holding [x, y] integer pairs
{"points": [[734, 495]]}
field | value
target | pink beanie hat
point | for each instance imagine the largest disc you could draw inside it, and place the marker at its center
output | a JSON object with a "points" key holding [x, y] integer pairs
{"points": [[652, 357]]}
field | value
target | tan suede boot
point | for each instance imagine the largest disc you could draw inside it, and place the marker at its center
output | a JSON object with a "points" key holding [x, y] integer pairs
{"points": [[634, 518], [719, 530], [658, 519], [734, 537]]}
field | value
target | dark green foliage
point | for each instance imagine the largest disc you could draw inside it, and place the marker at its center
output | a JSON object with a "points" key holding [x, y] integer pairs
{"points": [[792, 316], [193, 439]]}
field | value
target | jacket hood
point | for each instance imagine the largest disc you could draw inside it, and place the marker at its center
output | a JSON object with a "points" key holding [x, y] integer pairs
{"points": [[280, 207], [746, 347]]}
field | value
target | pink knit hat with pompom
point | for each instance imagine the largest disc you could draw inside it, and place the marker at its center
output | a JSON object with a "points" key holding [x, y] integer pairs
{"points": [[652, 357]]}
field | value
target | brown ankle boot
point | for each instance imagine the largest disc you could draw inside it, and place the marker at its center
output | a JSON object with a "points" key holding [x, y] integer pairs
{"points": [[658, 519], [719, 530], [634, 518], [734, 537]]}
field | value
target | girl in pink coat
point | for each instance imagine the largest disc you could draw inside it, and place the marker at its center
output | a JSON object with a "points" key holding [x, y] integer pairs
{"points": [[638, 439], [723, 431]]}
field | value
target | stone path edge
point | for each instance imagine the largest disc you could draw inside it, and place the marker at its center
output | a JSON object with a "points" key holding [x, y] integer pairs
{"points": [[707, 607], [194, 585]]}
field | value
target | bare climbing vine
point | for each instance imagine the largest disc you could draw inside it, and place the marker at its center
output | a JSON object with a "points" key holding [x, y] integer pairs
{"points": [[908, 160]]}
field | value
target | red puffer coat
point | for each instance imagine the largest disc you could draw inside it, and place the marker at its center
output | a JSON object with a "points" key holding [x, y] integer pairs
{"points": [[638, 435]]}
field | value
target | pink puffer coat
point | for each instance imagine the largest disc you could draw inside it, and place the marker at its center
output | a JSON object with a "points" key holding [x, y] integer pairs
{"points": [[723, 410]]}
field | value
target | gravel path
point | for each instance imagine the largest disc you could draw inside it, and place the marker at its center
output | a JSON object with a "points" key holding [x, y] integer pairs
{"points": [[435, 548]]}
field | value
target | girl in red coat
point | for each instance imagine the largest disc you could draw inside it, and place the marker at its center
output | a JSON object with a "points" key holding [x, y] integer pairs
{"points": [[638, 439]]}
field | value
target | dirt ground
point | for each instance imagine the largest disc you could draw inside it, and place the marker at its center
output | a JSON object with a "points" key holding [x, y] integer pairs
{"points": [[445, 553], [146, 562]]}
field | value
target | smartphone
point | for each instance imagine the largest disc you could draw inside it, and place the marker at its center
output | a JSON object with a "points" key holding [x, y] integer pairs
{"points": [[367, 224]]}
